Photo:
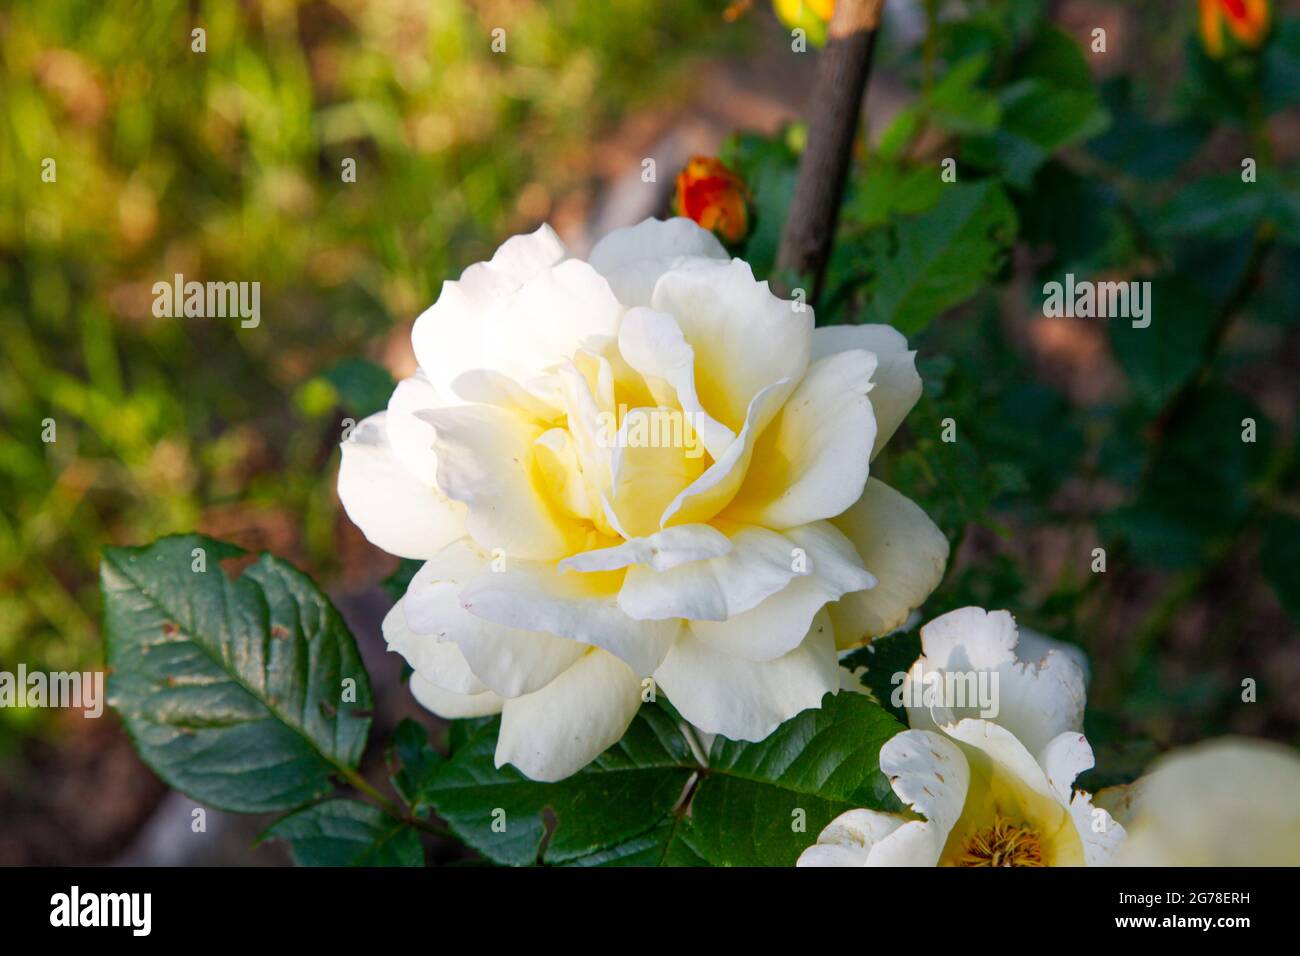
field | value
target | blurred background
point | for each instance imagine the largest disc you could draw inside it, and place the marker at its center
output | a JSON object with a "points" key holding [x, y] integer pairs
{"points": [[227, 165]]}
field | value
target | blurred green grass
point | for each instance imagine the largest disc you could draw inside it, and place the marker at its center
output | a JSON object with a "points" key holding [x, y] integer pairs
{"points": [[226, 165]]}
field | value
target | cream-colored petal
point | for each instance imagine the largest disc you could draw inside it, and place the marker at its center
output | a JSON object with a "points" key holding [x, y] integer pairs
{"points": [[450, 705], [970, 637], [1225, 802], [931, 775], [903, 548], [634, 258], [812, 461], [511, 661], [410, 436], [560, 472], [553, 315], [1035, 700], [481, 386], [1065, 757], [1034, 647], [580, 606], [828, 568], [522, 334], [516, 260], [661, 551], [712, 491], [655, 457], [393, 507], [897, 384], [653, 345], [439, 662], [1005, 750], [586, 394], [744, 337], [457, 332], [559, 729], [849, 839], [758, 564], [746, 700], [486, 460]]}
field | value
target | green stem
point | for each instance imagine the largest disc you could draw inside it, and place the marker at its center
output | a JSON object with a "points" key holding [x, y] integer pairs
{"points": [[391, 807]]}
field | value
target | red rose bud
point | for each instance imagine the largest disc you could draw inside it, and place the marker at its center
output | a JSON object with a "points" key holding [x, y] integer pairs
{"points": [[1246, 20], [715, 197]]}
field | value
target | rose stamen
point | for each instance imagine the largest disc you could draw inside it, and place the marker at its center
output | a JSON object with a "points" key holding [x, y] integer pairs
{"points": [[1003, 844]]}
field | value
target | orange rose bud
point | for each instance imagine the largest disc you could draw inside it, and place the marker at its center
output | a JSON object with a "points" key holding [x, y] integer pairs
{"points": [[1246, 20], [715, 197]]}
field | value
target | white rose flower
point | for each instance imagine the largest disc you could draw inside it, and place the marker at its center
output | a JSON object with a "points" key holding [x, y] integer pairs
{"points": [[1225, 802], [994, 790], [645, 465]]}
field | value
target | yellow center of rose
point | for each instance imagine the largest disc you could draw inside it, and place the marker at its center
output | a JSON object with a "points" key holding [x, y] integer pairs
{"points": [[1003, 844]]}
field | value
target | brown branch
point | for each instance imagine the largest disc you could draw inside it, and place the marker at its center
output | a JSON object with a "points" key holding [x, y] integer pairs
{"points": [[834, 109]]}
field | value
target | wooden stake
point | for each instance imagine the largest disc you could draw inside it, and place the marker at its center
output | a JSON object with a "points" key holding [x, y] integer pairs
{"points": [[845, 64]]}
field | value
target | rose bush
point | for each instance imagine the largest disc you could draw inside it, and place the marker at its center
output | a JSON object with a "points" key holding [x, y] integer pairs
{"points": [[644, 467]]}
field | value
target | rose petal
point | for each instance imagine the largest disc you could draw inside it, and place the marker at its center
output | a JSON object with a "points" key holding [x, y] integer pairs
{"points": [[634, 258], [452, 706], [510, 661], [486, 461], [897, 384], [744, 337], [746, 700], [559, 729], [902, 548], [392, 506], [812, 461]]}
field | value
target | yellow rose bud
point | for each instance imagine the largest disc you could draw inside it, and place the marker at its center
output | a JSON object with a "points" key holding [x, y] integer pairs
{"points": [[714, 197], [811, 16], [1246, 20]]}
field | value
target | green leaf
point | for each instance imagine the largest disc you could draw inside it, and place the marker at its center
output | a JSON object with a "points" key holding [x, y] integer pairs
{"points": [[418, 763], [898, 135], [1217, 207], [231, 689], [363, 386], [883, 658], [1140, 146], [623, 794], [1050, 104], [1074, 220], [1037, 120], [347, 833], [942, 257], [959, 105], [664, 845], [889, 189], [768, 167], [623, 809], [1159, 358], [461, 731], [762, 804]]}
